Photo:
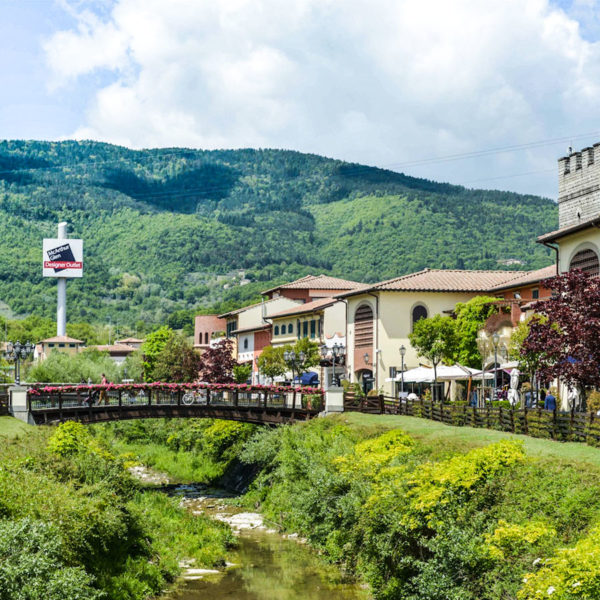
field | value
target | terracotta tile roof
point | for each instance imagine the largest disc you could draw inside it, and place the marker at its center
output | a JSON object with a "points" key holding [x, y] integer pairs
{"points": [[130, 340], [441, 280], [237, 311], [317, 282], [61, 339], [308, 307], [114, 348], [526, 278], [559, 233]]}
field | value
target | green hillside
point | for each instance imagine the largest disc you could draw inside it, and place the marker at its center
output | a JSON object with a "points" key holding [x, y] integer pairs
{"points": [[175, 229]]}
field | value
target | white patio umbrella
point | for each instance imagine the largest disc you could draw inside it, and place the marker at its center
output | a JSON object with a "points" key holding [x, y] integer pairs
{"points": [[417, 375]]}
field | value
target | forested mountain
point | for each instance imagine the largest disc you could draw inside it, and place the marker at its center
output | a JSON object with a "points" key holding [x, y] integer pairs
{"points": [[175, 229]]}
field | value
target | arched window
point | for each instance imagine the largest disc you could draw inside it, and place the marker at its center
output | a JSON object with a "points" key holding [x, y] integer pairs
{"points": [[586, 261], [245, 343], [206, 337], [276, 330], [418, 312], [363, 326]]}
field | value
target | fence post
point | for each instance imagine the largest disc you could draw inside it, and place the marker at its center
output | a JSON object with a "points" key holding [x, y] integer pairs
{"points": [[235, 397], [178, 397], [525, 420], [60, 406], [381, 404], [265, 399], [120, 401], [512, 418], [554, 428], [149, 397]]}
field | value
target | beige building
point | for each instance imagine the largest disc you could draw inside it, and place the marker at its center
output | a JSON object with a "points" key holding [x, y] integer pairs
{"points": [[63, 343], [381, 317], [322, 321], [577, 239]]}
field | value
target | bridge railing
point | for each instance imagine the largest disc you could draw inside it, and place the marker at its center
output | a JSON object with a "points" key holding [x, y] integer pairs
{"points": [[52, 397]]}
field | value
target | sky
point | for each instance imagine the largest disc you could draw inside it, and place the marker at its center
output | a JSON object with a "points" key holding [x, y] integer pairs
{"points": [[483, 93]]}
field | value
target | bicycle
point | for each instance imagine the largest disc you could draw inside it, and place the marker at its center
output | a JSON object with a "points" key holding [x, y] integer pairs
{"points": [[197, 396]]}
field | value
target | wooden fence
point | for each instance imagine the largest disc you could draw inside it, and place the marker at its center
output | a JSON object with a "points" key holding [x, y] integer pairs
{"points": [[536, 422]]}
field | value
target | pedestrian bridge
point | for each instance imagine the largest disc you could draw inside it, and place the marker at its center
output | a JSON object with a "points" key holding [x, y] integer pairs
{"points": [[269, 405]]}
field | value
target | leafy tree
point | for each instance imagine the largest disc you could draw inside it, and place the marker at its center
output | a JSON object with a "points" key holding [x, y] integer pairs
{"points": [[217, 363], [241, 373], [271, 363], [61, 367], [529, 362], [565, 341], [470, 318], [152, 347], [177, 362], [310, 352], [435, 339]]}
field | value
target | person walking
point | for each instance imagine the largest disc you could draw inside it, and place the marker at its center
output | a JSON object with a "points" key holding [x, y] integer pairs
{"points": [[103, 394], [550, 401]]}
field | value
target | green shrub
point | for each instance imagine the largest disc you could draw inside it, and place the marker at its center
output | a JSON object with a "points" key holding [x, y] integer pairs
{"points": [[33, 567]]}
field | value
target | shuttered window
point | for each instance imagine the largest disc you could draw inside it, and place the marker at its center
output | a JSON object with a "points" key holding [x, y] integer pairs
{"points": [[363, 326], [586, 261]]}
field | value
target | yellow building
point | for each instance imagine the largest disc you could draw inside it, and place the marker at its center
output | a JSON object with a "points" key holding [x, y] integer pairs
{"points": [[381, 317], [63, 343]]}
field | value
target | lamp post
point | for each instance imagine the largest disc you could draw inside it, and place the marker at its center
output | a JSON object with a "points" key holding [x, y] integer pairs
{"points": [[336, 351], [402, 353], [16, 353], [294, 361], [495, 341]]}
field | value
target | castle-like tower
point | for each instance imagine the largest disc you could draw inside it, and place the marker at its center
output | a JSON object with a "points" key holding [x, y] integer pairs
{"points": [[579, 187]]}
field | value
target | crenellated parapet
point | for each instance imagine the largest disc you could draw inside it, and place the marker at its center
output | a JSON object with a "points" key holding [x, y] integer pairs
{"points": [[579, 186]]}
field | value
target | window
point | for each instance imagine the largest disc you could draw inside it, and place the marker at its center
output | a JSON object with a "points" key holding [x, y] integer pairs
{"points": [[276, 330], [245, 343], [363, 326], [418, 312], [298, 329], [71, 345], [51, 345], [230, 328], [290, 328], [61, 345], [206, 337], [313, 329], [535, 294], [305, 329], [586, 261]]}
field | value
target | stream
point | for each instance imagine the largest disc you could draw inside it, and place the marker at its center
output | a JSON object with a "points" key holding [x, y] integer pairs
{"points": [[266, 565]]}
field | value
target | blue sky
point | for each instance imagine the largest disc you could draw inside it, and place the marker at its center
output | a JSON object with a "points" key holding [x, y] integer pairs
{"points": [[404, 84]]}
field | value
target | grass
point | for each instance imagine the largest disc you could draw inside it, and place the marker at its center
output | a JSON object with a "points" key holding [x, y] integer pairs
{"points": [[12, 428], [448, 438]]}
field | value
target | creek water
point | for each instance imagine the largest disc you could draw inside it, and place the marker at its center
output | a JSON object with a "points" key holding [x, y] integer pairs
{"points": [[265, 564]]}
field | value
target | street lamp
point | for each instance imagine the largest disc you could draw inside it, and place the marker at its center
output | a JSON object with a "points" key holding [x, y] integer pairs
{"points": [[16, 353], [495, 342], [402, 353], [337, 351], [294, 361]]}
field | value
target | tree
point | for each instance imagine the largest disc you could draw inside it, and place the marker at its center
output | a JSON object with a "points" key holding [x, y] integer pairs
{"points": [[271, 363], [529, 362], [177, 362], [152, 347], [435, 339], [217, 363], [309, 351], [470, 317], [565, 339], [241, 373]]}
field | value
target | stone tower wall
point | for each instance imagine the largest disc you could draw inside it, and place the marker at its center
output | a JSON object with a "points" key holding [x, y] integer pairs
{"points": [[579, 186]]}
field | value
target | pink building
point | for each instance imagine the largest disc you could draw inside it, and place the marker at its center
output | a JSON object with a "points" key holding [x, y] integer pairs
{"points": [[204, 328]]}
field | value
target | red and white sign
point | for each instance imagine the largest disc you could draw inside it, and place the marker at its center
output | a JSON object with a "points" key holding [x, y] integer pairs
{"points": [[63, 258]]}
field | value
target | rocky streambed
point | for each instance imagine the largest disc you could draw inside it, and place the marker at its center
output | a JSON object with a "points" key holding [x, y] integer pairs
{"points": [[265, 565]]}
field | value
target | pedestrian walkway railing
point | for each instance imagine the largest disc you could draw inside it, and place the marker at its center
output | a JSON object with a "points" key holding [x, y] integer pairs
{"points": [[536, 422]]}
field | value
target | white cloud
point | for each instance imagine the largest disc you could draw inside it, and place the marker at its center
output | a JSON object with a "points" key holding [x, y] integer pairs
{"points": [[376, 81]]}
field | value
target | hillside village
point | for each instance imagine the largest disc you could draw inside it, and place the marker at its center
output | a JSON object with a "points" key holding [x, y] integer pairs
{"points": [[372, 322]]}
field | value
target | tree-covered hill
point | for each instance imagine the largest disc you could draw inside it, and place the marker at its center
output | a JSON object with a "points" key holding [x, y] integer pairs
{"points": [[174, 229]]}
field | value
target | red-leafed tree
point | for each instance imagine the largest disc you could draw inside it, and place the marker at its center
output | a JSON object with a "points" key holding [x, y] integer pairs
{"points": [[217, 363], [566, 342]]}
